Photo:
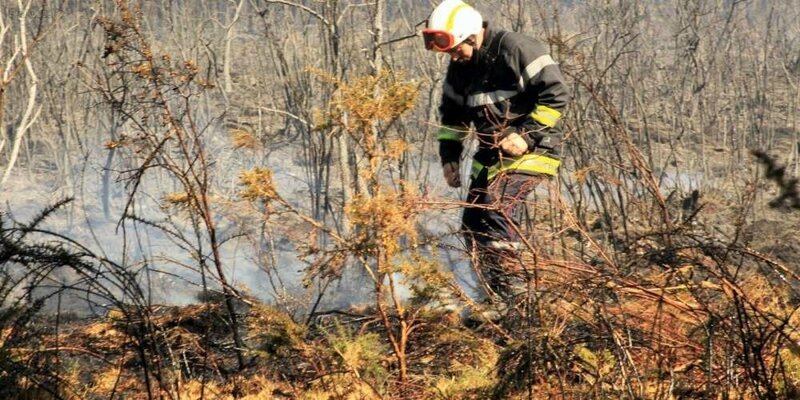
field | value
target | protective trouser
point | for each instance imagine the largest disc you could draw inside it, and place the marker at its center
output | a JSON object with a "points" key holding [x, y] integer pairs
{"points": [[490, 222]]}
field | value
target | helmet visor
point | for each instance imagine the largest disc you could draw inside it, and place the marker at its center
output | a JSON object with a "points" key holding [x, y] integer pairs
{"points": [[437, 40]]}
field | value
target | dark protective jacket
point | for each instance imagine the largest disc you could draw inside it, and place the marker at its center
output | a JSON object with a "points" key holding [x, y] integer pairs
{"points": [[511, 85]]}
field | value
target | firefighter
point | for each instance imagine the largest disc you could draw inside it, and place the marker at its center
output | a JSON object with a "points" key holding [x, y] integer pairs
{"points": [[508, 89]]}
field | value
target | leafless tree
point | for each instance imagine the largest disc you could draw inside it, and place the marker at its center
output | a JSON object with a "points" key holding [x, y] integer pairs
{"points": [[16, 44]]}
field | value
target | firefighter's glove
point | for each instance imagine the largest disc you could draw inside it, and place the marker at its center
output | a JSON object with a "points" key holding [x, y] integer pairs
{"points": [[451, 173], [513, 145]]}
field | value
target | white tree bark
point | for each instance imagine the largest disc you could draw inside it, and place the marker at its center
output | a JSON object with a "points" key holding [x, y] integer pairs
{"points": [[230, 34], [29, 115], [377, 35]]}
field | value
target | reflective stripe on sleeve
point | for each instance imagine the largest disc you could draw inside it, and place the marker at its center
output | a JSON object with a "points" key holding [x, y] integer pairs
{"points": [[536, 66], [528, 163], [546, 115], [451, 133], [483, 99]]}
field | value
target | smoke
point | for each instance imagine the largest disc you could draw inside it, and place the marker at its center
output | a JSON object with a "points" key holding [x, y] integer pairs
{"points": [[262, 264]]}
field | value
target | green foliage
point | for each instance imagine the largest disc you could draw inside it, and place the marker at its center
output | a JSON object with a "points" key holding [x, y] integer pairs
{"points": [[465, 382], [363, 355], [598, 363], [427, 280], [274, 333]]}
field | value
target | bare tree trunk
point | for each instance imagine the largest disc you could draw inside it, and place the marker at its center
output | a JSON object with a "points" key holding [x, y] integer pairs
{"points": [[377, 35], [230, 34], [105, 189], [346, 173], [31, 111], [6, 132], [372, 143]]}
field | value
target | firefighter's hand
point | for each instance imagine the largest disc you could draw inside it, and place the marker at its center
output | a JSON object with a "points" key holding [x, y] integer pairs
{"points": [[452, 174], [513, 145]]}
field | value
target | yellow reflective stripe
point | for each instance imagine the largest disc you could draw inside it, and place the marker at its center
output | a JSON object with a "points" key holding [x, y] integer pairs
{"points": [[451, 20], [476, 168], [528, 163], [450, 133], [546, 115]]}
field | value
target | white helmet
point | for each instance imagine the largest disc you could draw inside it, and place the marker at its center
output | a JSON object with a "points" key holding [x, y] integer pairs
{"points": [[450, 23]]}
